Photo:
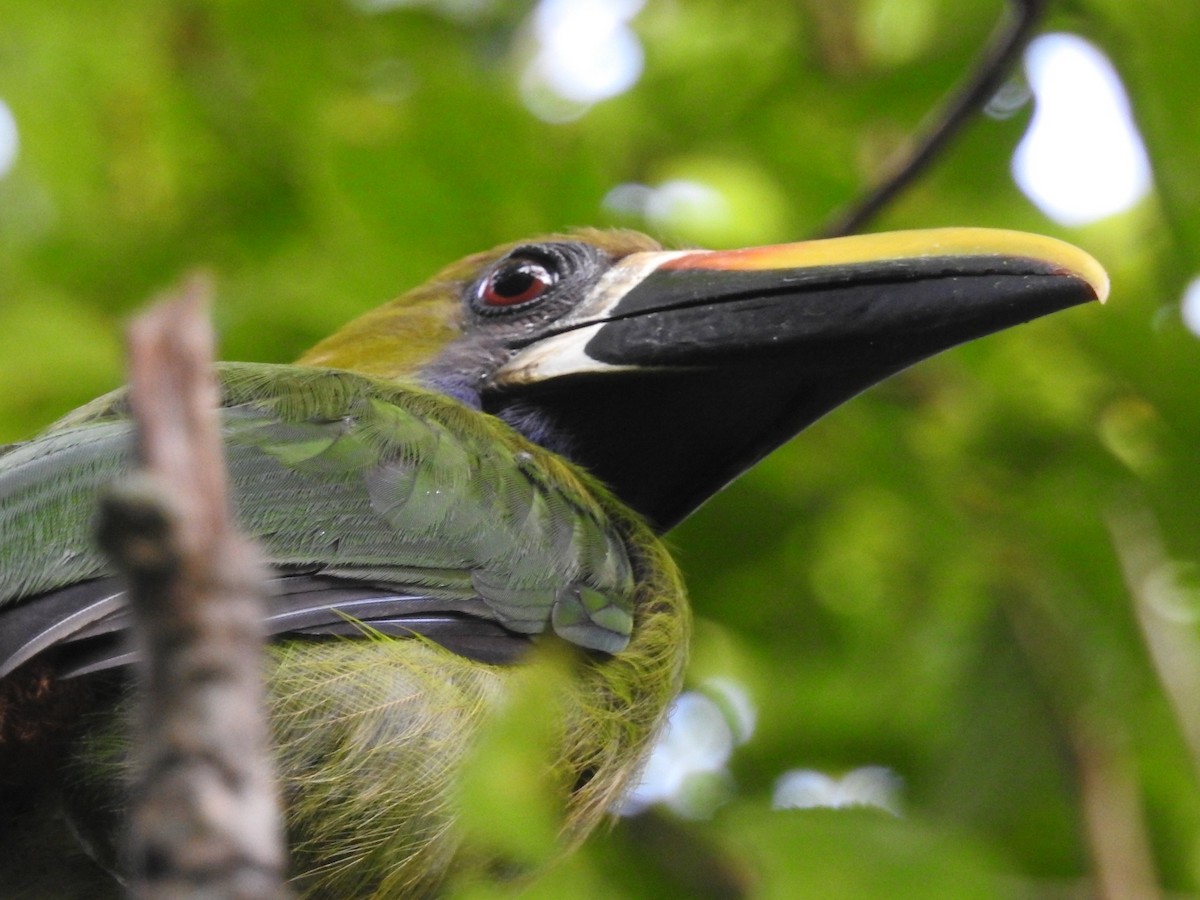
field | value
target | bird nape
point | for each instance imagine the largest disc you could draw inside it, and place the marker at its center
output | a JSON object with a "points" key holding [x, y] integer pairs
{"points": [[474, 471]]}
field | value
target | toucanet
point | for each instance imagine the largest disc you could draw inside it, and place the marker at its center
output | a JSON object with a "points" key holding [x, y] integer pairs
{"points": [[477, 469]]}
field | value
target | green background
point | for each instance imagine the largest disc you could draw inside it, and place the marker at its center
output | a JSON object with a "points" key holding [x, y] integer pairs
{"points": [[981, 574]]}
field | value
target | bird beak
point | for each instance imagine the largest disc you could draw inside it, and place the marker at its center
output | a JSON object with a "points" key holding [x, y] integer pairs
{"points": [[686, 368]]}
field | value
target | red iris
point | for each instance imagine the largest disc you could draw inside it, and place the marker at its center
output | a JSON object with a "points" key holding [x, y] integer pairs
{"points": [[517, 281]]}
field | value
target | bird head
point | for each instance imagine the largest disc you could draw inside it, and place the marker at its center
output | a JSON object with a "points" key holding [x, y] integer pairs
{"points": [[669, 373]]}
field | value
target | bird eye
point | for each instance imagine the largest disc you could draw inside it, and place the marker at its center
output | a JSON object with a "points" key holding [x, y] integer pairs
{"points": [[515, 282]]}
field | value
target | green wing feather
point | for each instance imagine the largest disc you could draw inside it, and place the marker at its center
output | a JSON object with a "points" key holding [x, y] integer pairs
{"points": [[363, 479]]}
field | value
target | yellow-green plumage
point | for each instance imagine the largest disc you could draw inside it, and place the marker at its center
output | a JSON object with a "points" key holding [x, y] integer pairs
{"points": [[370, 736], [399, 717]]}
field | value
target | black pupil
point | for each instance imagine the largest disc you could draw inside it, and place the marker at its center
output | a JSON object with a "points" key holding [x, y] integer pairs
{"points": [[519, 279]]}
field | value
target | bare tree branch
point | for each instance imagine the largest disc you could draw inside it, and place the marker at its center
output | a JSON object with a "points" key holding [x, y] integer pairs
{"points": [[995, 62], [204, 819], [1111, 812], [1114, 818], [1157, 587]]}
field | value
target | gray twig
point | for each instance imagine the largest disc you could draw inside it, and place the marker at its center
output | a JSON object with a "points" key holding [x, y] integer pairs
{"points": [[204, 819]]}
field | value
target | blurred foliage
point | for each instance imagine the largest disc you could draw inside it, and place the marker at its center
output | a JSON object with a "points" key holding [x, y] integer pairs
{"points": [[953, 576]]}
